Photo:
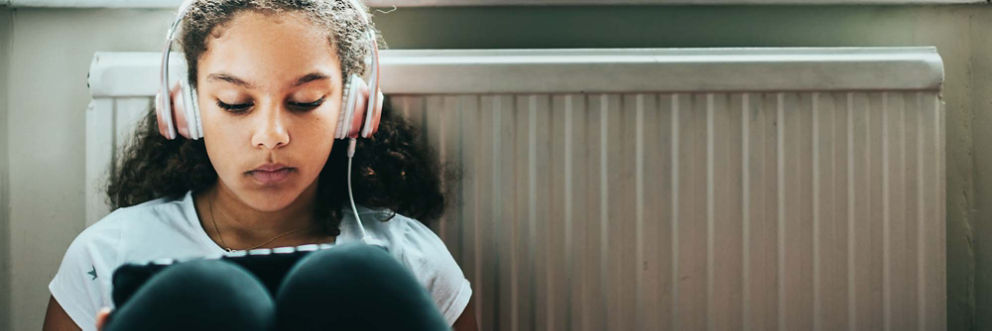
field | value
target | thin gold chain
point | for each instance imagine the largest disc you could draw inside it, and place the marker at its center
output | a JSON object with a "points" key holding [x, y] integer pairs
{"points": [[224, 244]]}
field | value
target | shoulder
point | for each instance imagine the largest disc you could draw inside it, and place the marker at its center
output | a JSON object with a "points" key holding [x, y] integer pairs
{"points": [[106, 240], [404, 236], [108, 231], [418, 248], [82, 283], [111, 229]]}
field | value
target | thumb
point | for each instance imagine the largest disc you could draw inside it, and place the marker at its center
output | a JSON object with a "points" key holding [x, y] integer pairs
{"points": [[101, 317]]}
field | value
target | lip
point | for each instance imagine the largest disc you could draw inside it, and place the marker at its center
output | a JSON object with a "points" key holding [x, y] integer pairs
{"points": [[270, 167], [270, 174]]}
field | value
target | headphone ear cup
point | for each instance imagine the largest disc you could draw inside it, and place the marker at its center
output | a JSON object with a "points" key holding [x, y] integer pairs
{"points": [[190, 112], [165, 111], [179, 114], [358, 112], [373, 117], [347, 107], [163, 118]]}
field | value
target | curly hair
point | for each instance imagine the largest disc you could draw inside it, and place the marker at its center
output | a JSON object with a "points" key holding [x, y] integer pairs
{"points": [[394, 170], [347, 25]]}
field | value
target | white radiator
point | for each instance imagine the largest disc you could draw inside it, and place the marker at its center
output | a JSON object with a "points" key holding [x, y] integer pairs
{"points": [[649, 189]]}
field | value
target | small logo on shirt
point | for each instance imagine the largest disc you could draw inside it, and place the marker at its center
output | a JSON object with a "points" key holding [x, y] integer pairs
{"points": [[92, 272]]}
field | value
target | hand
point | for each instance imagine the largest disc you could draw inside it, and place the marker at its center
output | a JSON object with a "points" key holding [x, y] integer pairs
{"points": [[101, 317]]}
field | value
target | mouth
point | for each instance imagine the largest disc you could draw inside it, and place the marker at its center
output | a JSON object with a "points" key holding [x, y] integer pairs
{"points": [[270, 174]]}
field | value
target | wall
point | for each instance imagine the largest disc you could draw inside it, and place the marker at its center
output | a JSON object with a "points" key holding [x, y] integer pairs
{"points": [[5, 32], [50, 56], [52, 49]]}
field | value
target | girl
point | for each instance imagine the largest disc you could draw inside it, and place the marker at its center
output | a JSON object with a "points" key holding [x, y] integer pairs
{"points": [[269, 78]]}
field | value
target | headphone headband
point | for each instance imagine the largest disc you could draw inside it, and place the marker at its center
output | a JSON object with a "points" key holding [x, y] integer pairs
{"points": [[365, 99]]}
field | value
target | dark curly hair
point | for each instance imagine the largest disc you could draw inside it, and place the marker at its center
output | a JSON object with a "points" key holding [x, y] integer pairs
{"points": [[393, 170], [346, 21]]}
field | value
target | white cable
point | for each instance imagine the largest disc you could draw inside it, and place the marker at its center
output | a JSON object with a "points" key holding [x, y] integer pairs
{"points": [[351, 197]]}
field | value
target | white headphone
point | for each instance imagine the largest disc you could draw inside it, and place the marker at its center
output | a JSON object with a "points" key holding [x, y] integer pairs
{"points": [[361, 105]]}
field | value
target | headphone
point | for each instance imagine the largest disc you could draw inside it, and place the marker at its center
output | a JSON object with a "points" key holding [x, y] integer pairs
{"points": [[361, 102]]}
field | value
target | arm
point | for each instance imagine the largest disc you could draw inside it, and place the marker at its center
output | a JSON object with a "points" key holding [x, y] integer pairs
{"points": [[467, 322], [56, 319]]}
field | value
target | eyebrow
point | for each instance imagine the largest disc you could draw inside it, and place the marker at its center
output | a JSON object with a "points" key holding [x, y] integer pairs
{"points": [[309, 78], [230, 79], [240, 82]]}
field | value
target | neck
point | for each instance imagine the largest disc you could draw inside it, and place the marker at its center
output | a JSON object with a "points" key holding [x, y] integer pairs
{"points": [[240, 226]]}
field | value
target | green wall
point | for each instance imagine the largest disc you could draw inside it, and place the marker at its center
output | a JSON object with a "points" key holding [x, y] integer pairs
{"points": [[52, 47], [5, 31]]}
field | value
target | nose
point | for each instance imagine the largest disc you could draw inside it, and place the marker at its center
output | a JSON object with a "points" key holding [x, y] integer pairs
{"points": [[270, 128]]}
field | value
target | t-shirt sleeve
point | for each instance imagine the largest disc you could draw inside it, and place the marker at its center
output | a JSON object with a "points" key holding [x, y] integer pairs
{"points": [[82, 283], [436, 269]]}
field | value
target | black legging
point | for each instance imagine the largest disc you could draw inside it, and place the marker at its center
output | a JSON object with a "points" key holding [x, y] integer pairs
{"points": [[348, 287]]}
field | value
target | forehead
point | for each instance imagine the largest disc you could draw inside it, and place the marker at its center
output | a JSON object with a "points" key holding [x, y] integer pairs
{"points": [[268, 47]]}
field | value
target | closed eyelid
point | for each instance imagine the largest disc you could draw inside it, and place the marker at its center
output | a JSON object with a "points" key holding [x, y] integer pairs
{"points": [[235, 101]]}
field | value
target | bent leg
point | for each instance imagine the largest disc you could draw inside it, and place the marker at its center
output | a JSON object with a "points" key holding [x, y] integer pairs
{"points": [[197, 295], [354, 287]]}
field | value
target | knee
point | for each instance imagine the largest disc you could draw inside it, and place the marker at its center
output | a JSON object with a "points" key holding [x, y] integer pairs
{"points": [[346, 268], [211, 293], [215, 276], [350, 260], [206, 281]]}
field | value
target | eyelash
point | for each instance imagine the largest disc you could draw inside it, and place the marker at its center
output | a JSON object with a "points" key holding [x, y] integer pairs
{"points": [[243, 107], [235, 108], [306, 106]]}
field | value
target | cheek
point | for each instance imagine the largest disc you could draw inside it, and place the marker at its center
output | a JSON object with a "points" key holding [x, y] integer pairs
{"points": [[222, 151], [314, 135], [224, 139], [312, 144], [319, 124]]}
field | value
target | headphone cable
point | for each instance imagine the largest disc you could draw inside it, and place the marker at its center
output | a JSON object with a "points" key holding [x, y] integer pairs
{"points": [[351, 198]]}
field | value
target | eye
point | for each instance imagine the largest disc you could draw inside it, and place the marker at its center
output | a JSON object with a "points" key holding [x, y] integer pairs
{"points": [[305, 106], [235, 108]]}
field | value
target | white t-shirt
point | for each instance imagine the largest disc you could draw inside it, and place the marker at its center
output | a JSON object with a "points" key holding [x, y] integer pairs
{"points": [[171, 229]]}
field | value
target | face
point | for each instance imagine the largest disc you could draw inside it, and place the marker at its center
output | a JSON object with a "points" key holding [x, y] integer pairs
{"points": [[269, 95]]}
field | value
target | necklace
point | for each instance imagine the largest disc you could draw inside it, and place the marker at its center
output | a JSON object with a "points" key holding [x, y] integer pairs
{"points": [[228, 249]]}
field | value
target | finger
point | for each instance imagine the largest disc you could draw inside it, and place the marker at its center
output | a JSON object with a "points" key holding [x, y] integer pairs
{"points": [[101, 317]]}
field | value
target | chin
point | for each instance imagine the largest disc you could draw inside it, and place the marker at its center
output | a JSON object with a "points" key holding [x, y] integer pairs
{"points": [[269, 203], [269, 199]]}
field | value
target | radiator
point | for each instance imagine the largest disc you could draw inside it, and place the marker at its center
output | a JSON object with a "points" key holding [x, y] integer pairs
{"points": [[654, 189]]}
